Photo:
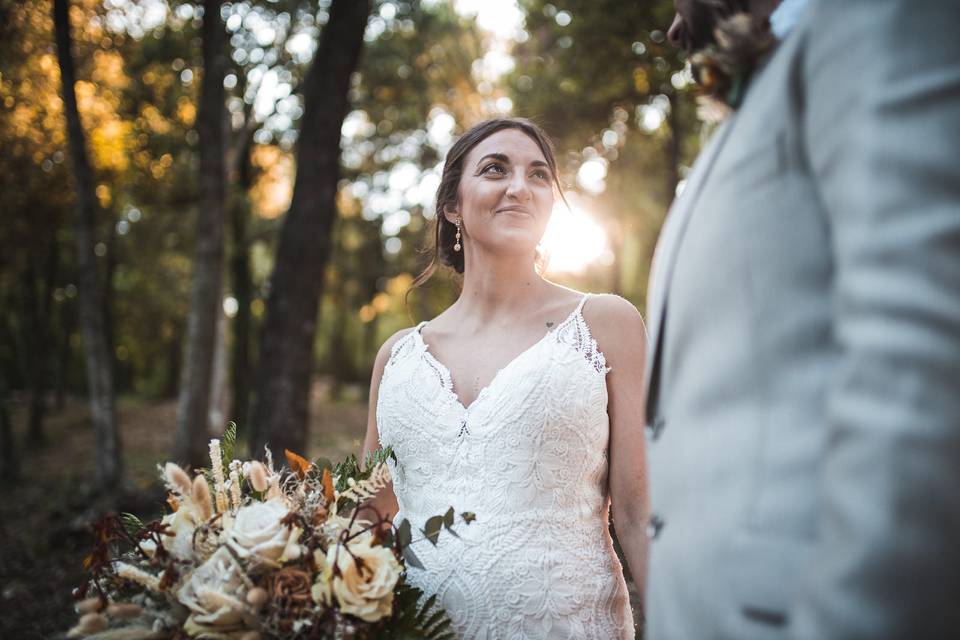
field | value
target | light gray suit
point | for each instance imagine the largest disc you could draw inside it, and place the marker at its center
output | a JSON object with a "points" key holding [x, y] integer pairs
{"points": [[804, 382]]}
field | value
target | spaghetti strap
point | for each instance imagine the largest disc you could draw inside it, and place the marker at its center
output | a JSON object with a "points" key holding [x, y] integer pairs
{"points": [[583, 301]]}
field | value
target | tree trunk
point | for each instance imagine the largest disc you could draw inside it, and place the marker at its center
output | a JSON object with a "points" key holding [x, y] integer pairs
{"points": [[109, 469], [337, 342], [36, 355], [109, 276], [9, 465], [216, 414], [242, 291], [241, 181], [48, 315], [174, 358], [65, 324], [286, 356], [205, 299]]}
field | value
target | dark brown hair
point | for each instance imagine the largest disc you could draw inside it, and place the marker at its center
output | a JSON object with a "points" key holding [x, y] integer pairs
{"points": [[448, 191]]}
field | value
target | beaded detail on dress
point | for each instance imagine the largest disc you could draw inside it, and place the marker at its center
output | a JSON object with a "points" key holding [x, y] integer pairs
{"points": [[529, 458]]}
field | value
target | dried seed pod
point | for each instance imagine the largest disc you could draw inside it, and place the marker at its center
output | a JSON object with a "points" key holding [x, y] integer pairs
{"points": [[251, 635], [259, 477], [274, 492], [124, 610], [177, 478], [89, 623], [257, 597], [89, 605], [201, 498]]}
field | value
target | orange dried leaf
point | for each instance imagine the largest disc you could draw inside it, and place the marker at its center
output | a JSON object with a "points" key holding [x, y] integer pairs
{"points": [[327, 486], [173, 502], [299, 464]]}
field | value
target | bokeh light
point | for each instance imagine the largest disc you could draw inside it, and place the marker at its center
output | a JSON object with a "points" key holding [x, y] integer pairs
{"points": [[574, 240]]}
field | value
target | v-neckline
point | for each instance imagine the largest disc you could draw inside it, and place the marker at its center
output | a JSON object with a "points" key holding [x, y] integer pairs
{"points": [[449, 385]]}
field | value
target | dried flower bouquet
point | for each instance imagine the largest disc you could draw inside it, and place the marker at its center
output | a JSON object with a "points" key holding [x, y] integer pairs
{"points": [[250, 552]]}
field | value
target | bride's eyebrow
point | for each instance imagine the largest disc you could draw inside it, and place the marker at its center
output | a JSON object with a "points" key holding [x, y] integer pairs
{"points": [[496, 156], [506, 160]]}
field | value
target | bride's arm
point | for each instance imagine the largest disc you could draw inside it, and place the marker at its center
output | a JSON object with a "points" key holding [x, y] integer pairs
{"points": [[385, 502], [617, 327]]}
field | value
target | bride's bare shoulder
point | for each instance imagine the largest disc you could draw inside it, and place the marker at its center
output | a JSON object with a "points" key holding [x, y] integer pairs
{"points": [[615, 323]]}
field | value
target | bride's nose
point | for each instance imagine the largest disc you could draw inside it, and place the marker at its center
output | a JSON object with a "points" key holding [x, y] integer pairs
{"points": [[517, 188]]}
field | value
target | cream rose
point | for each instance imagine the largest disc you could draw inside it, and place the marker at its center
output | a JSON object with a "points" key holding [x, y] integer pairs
{"points": [[182, 525], [214, 594], [257, 531], [365, 591]]}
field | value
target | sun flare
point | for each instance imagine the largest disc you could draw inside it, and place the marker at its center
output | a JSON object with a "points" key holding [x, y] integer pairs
{"points": [[574, 240]]}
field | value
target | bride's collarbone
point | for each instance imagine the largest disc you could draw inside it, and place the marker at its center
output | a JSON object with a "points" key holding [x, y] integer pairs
{"points": [[489, 344]]}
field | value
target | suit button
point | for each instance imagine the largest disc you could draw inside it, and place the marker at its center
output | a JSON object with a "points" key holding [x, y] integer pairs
{"points": [[655, 428], [654, 526]]}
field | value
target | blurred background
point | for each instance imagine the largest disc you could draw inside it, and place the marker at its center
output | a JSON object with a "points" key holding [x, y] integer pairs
{"points": [[220, 220]]}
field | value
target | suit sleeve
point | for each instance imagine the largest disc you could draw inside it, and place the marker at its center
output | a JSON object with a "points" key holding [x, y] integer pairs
{"points": [[882, 134]]}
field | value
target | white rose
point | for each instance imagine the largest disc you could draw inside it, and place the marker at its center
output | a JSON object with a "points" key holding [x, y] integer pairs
{"points": [[182, 525], [214, 594], [258, 531], [365, 591]]}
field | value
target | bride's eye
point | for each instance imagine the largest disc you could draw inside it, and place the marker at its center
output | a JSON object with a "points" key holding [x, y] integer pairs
{"points": [[541, 174], [493, 168]]}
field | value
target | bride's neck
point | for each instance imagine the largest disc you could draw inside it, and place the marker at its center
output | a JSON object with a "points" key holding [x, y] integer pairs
{"points": [[498, 289]]}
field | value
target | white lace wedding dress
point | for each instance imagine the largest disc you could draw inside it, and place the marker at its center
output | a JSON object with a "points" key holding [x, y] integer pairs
{"points": [[529, 458]]}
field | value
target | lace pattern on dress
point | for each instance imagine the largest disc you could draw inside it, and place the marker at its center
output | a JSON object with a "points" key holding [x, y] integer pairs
{"points": [[529, 458], [401, 348], [575, 333]]}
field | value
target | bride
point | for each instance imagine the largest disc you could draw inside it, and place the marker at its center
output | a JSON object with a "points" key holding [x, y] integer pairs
{"points": [[519, 403]]}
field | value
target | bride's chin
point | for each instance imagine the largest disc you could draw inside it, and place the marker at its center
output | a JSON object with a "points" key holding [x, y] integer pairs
{"points": [[523, 242]]}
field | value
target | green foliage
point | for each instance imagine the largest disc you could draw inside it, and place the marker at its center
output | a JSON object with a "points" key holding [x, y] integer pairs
{"points": [[131, 524], [432, 528], [590, 72], [350, 469], [436, 524], [378, 457], [414, 618], [228, 444]]}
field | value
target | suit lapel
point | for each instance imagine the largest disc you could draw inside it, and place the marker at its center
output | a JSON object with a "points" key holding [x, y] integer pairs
{"points": [[666, 253]]}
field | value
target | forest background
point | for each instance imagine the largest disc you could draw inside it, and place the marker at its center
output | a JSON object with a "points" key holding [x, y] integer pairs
{"points": [[212, 220]]}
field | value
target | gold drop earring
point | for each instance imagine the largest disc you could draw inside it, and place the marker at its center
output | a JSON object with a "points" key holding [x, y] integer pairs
{"points": [[456, 241]]}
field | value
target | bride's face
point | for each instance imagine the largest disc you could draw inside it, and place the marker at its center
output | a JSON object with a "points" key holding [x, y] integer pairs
{"points": [[505, 194]]}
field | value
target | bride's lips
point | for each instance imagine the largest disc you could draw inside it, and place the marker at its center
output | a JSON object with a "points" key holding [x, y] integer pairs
{"points": [[520, 211]]}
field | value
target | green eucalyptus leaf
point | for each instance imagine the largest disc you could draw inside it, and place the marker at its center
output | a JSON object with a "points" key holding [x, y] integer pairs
{"points": [[411, 558], [432, 529], [404, 535]]}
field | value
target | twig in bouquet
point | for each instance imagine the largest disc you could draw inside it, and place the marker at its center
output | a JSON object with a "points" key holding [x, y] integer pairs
{"points": [[153, 532]]}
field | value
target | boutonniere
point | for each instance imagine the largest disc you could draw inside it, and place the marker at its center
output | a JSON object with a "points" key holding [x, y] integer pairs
{"points": [[723, 69]]}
